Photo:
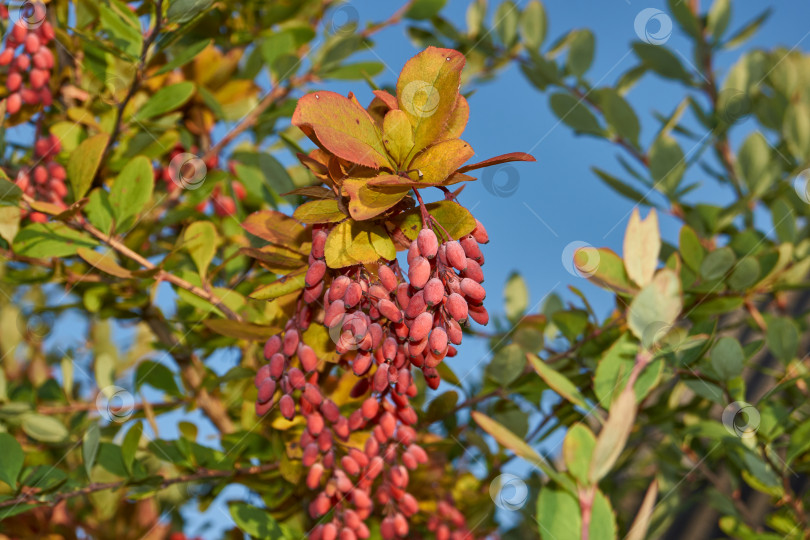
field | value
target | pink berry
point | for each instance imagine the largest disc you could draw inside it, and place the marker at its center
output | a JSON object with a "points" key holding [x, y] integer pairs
{"points": [[420, 328], [433, 292], [456, 306], [456, 256], [480, 233], [287, 406], [13, 104], [272, 346], [419, 272], [388, 278], [473, 290], [14, 81], [309, 361], [427, 243], [315, 273], [389, 310], [31, 43]]}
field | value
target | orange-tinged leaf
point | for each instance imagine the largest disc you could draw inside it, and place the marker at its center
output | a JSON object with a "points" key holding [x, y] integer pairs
{"points": [[317, 168], [349, 244], [342, 127], [427, 90], [458, 118], [441, 160], [366, 201], [276, 227], [397, 135], [388, 99], [497, 160]]}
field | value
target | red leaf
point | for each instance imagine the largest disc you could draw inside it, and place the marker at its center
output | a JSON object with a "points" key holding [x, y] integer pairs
{"points": [[497, 160]]}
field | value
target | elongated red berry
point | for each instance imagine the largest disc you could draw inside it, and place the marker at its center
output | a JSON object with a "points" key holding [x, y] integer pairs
{"points": [[471, 248], [480, 233], [388, 278], [287, 406], [473, 290], [266, 390], [13, 103], [389, 310], [474, 271], [455, 255], [338, 288], [427, 243], [416, 305], [309, 361], [381, 378], [334, 313], [438, 340], [19, 32], [433, 292], [413, 252], [456, 306], [354, 293], [315, 423], [318, 244], [315, 273], [290, 342], [420, 328], [314, 476], [349, 465], [277, 362], [312, 394], [361, 363], [419, 272], [479, 314], [454, 332]]}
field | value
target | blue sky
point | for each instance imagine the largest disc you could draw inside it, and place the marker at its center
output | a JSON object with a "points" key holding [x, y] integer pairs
{"points": [[558, 199]]}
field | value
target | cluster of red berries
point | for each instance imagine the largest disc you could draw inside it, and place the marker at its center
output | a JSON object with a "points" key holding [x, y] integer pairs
{"points": [[223, 204], [382, 325], [26, 53], [448, 523], [46, 180]]}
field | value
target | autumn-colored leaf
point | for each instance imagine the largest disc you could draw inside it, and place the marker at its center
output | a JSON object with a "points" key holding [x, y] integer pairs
{"points": [[342, 127], [427, 90], [275, 227], [505, 158], [458, 118], [388, 99], [397, 135], [642, 243], [320, 211], [439, 161], [367, 201]]}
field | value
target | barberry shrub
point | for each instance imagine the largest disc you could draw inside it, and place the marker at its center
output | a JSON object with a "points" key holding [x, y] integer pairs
{"points": [[217, 272]]}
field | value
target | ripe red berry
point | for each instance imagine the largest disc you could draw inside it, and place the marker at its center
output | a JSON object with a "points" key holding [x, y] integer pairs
{"points": [[19, 32], [419, 272], [6, 57], [389, 310], [381, 378], [318, 240], [388, 278], [420, 327], [314, 476], [473, 290], [309, 361], [312, 394], [290, 343], [13, 103], [455, 255], [266, 390], [315, 423], [272, 346], [31, 43], [438, 341], [14, 81], [287, 406], [479, 314], [456, 307], [315, 273], [427, 243], [480, 233], [433, 292], [338, 288], [362, 363]]}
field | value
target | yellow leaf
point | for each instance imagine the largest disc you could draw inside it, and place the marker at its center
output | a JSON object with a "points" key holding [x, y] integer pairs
{"points": [[440, 160], [104, 262], [642, 243], [366, 202], [348, 245], [427, 90], [397, 135], [458, 119], [322, 211]]}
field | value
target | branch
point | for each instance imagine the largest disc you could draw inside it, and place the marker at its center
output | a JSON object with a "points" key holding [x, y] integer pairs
{"points": [[161, 274], [204, 474]]}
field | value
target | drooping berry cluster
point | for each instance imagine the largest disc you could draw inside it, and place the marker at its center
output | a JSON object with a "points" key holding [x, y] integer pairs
{"points": [[29, 61], [383, 324], [46, 180]]}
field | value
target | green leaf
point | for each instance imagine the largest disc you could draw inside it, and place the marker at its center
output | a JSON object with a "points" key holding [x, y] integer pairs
{"points": [[727, 358], [453, 217], [185, 54], [441, 406], [580, 52], [557, 381], [98, 210], [747, 30], [657, 306], [691, 249], [619, 114], [718, 18], [157, 376], [13, 459], [533, 24], [614, 368], [717, 263], [240, 330], [662, 61], [424, 9], [613, 436], [255, 522], [577, 452], [131, 190], [44, 428], [799, 442], [9, 222], [124, 36], [262, 175], [90, 443], [783, 338], [10, 193], [355, 71], [130, 445], [745, 274], [182, 11], [84, 163], [45, 240], [507, 364], [796, 130], [200, 239], [515, 297], [165, 100], [104, 262], [575, 114], [506, 23], [604, 268], [282, 286], [667, 163], [558, 515]]}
